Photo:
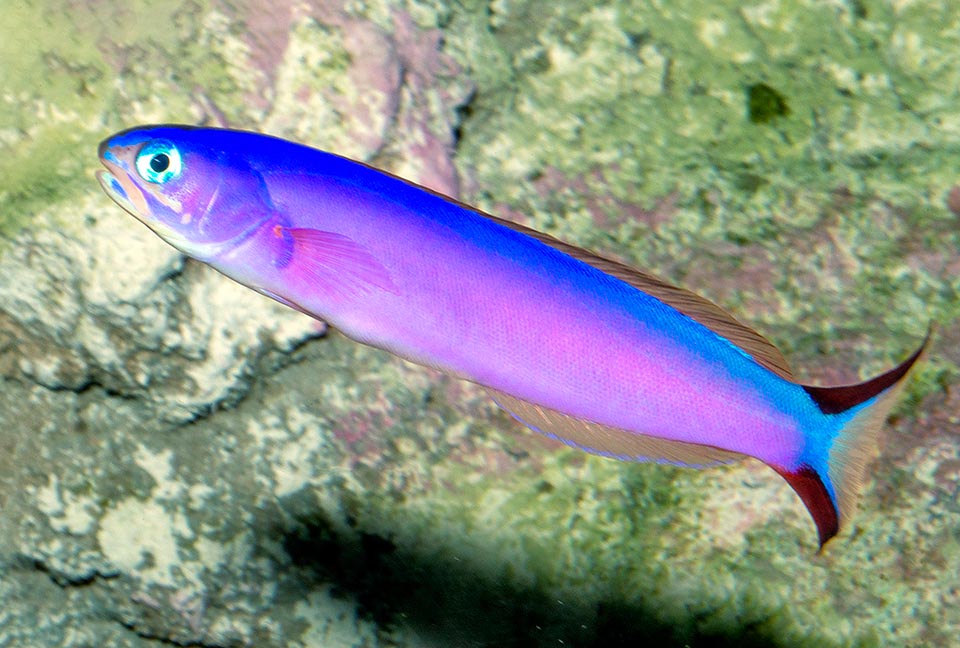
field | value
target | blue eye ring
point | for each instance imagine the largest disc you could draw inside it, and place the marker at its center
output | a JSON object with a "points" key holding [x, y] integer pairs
{"points": [[159, 162]]}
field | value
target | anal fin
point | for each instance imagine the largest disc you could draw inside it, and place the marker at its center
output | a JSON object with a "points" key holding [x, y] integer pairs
{"points": [[609, 441]]}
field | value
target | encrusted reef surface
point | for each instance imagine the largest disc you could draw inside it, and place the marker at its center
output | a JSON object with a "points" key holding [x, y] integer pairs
{"points": [[184, 462]]}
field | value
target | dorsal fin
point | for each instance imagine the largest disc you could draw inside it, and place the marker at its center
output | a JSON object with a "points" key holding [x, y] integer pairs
{"points": [[690, 304], [609, 441]]}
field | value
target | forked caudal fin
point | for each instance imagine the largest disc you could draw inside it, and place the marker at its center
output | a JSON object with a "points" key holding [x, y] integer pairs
{"points": [[830, 491]]}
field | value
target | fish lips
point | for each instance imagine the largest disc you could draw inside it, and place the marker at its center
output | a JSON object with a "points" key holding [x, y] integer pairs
{"points": [[116, 180]]}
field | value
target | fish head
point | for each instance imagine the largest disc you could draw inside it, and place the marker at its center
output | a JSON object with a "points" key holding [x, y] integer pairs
{"points": [[193, 190]]}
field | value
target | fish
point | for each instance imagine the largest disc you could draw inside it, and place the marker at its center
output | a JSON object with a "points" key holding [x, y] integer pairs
{"points": [[581, 348]]}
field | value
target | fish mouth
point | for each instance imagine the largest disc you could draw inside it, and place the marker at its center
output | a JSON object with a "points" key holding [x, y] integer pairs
{"points": [[113, 188], [118, 184]]}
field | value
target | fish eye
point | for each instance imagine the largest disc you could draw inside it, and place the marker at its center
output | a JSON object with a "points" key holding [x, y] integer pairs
{"points": [[159, 162]]}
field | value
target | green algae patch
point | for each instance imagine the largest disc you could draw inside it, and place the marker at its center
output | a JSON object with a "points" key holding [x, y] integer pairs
{"points": [[706, 88], [42, 170], [61, 94], [53, 85]]}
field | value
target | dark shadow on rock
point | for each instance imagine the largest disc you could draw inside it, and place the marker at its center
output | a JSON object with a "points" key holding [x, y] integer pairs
{"points": [[455, 604]]}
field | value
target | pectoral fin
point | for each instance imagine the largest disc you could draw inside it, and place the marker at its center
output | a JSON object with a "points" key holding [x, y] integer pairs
{"points": [[333, 262]]}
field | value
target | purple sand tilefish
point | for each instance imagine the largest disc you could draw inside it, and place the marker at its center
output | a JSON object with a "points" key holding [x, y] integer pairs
{"points": [[583, 349]]}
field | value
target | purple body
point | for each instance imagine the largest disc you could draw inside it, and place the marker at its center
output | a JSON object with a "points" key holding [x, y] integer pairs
{"points": [[398, 267]]}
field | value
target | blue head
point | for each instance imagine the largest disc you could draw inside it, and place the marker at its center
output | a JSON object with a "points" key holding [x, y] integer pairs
{"points": [[194, 187]]}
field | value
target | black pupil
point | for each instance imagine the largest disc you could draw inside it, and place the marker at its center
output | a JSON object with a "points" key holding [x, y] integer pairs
{"points": [[160, 162]]}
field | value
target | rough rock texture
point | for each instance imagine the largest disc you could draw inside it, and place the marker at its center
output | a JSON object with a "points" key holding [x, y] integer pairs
{"points": [[187, 463]]}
